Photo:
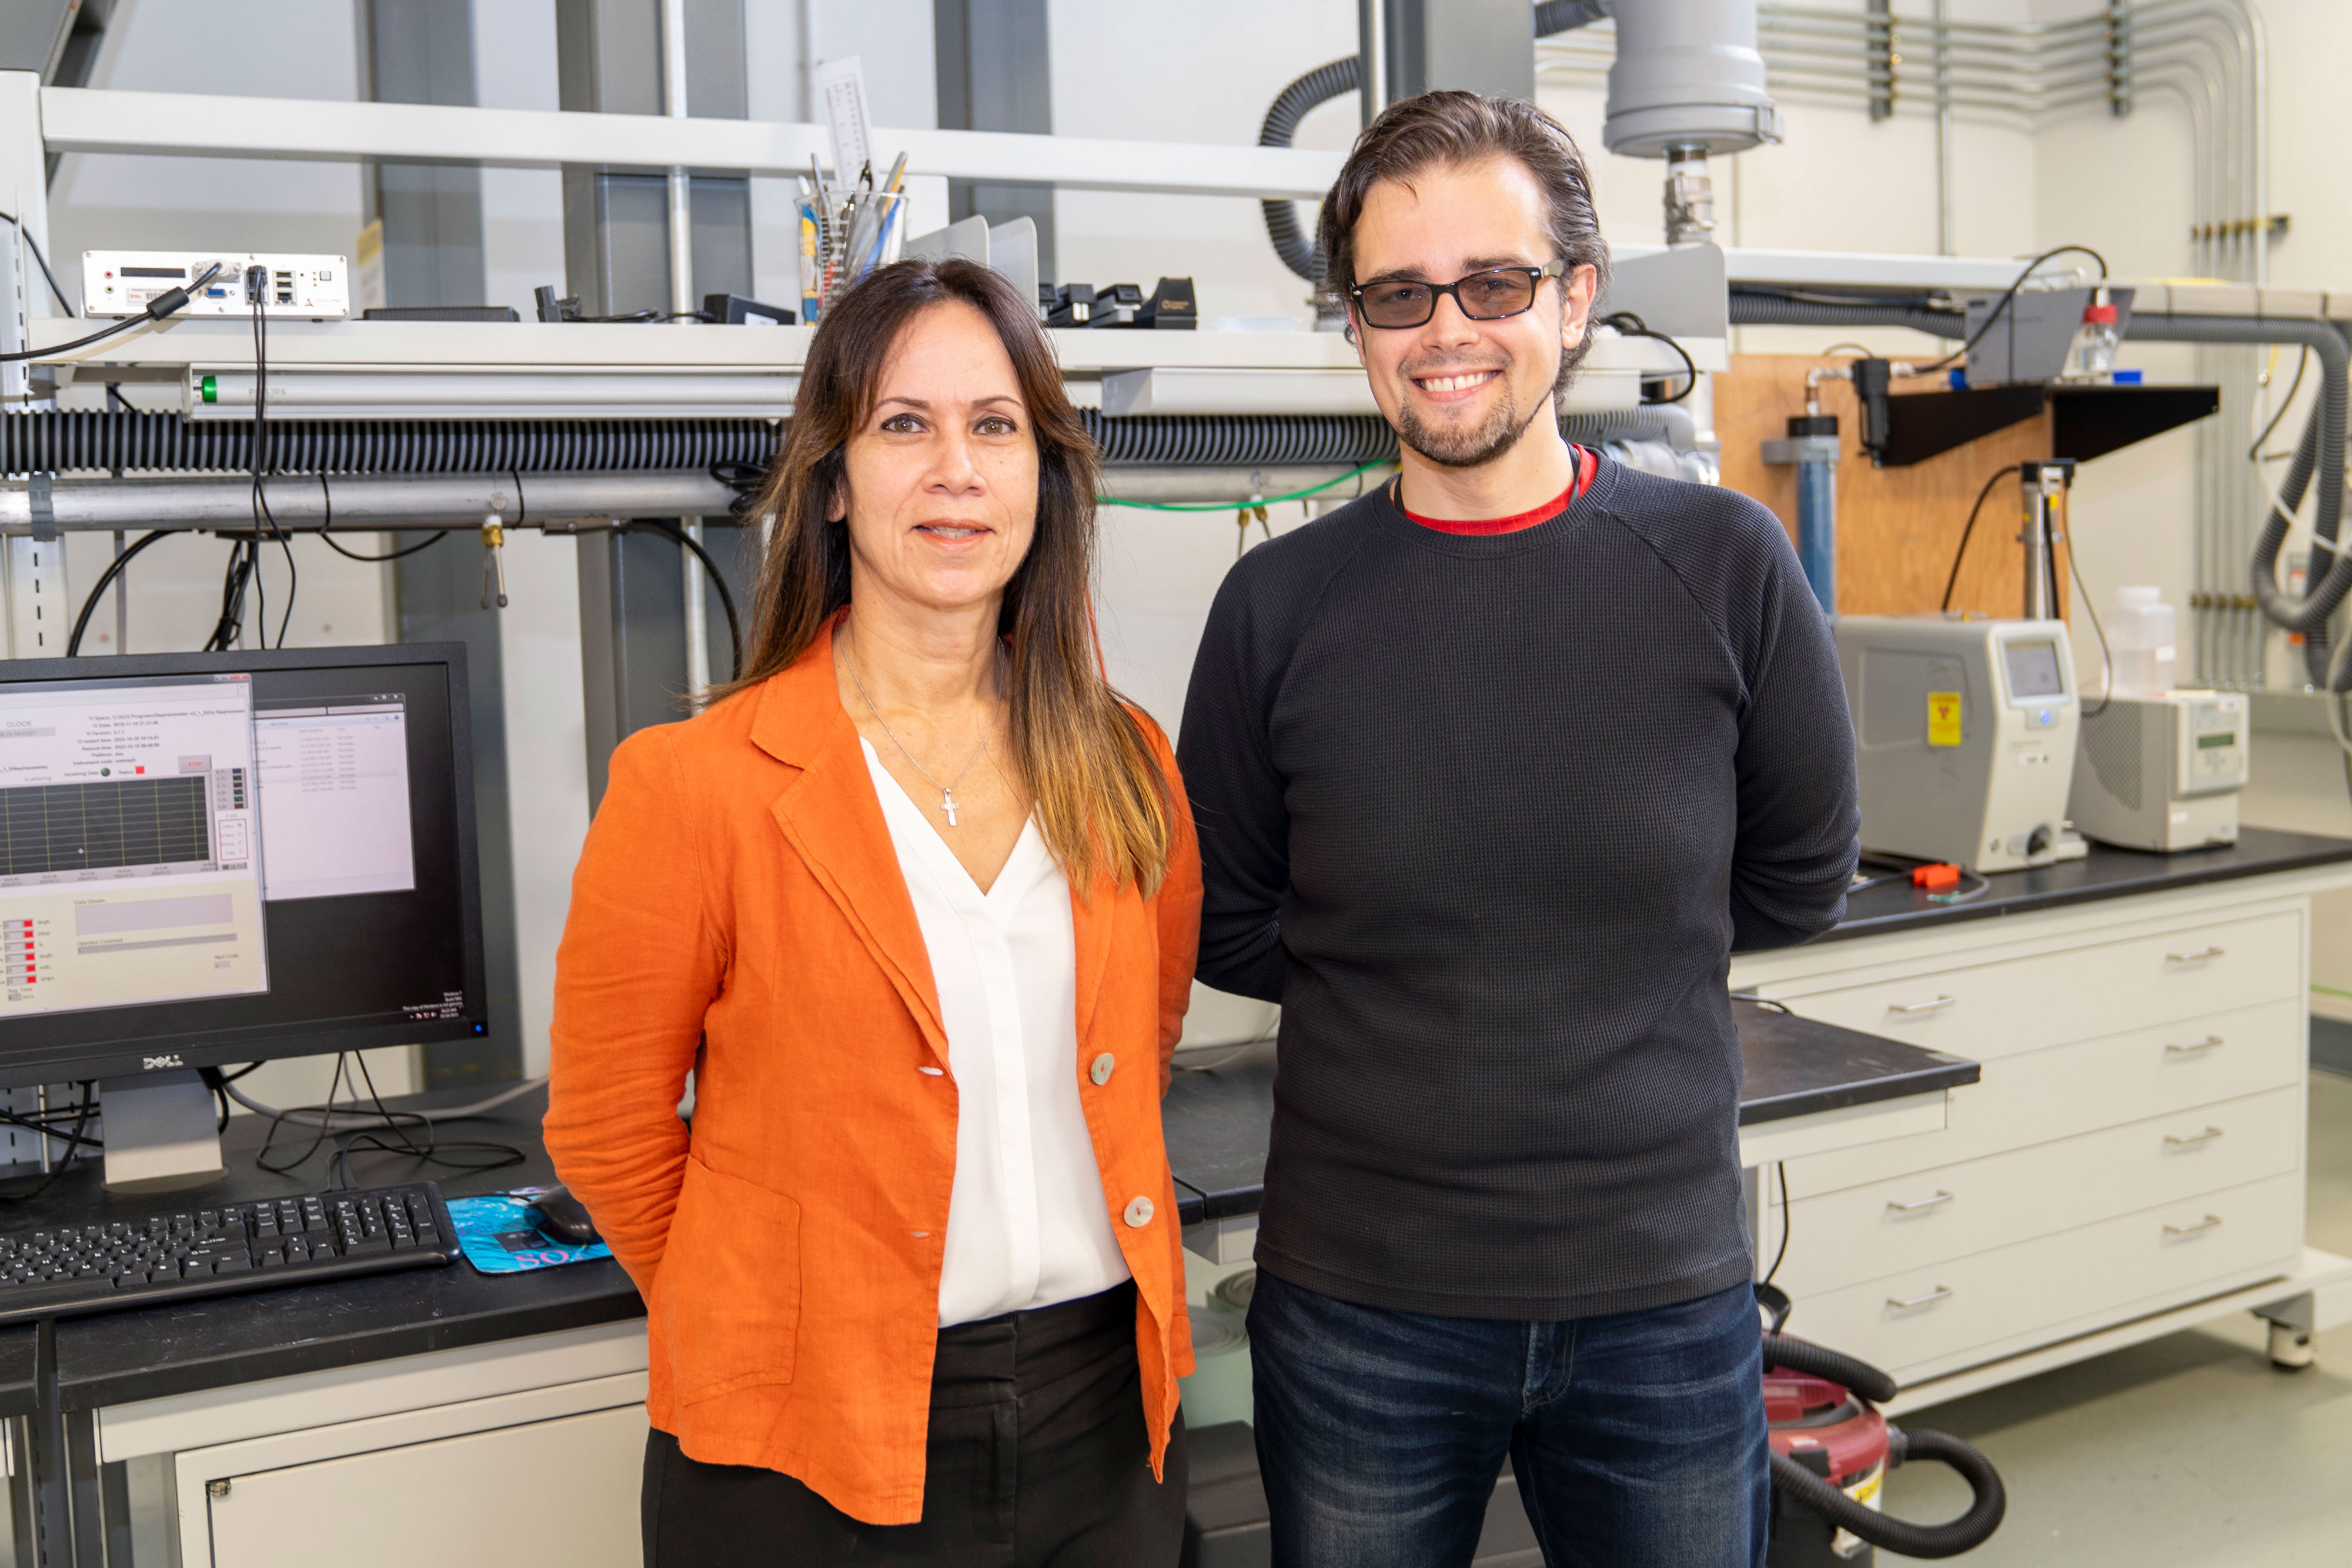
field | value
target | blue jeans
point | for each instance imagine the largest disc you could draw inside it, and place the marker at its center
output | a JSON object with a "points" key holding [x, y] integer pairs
{"points": [[1637, 1439]]}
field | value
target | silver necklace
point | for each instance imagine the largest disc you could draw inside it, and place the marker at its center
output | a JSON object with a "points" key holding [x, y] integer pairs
{"points": [[947, 791]]}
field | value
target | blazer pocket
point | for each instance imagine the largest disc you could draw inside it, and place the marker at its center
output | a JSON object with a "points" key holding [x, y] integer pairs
{"points": [[730, 1285]]}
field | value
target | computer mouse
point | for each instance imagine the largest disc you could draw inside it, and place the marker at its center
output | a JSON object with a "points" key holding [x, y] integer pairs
{"points": [[564, 1219]]}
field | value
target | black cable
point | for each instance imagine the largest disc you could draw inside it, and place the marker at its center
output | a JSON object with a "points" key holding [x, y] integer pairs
{"points": [[1633, 325], [678, 537], [1780, 1168], [33, 246], [258, 453], [2301, 360], [233, 585], [2106, 659], [32, 1124], [90, 603], [2008, 295], [164, 304], [325, 532], [74, 1143], [1960, 554]]}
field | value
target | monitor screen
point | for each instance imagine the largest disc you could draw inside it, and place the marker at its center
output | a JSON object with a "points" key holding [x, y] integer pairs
{"points": [[228, 857], [2032, 669]]}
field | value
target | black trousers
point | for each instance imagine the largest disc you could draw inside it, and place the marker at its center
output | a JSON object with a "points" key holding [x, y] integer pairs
{"points": [[1037, 1459]]}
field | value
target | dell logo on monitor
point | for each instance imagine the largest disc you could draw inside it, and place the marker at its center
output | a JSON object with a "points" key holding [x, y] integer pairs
{"points": [[151, 1064]]}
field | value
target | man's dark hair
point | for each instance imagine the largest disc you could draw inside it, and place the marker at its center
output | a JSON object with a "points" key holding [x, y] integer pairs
{"points": [[1444, 130]]}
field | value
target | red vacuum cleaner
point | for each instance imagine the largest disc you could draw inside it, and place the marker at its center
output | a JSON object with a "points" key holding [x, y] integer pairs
{"points": [[1830, 1453]]}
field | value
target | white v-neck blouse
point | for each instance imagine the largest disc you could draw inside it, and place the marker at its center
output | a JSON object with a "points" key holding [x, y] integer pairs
{"points": [[1027, 1224]]}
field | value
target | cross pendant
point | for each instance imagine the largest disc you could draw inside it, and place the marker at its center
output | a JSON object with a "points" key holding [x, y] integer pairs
{"points": [[947, 804]]}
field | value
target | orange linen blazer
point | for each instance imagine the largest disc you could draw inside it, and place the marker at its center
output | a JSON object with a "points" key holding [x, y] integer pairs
{"points": [[738, 910]]}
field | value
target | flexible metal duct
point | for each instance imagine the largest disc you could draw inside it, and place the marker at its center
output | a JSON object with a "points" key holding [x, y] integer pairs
{"points": [[1755, 308], [1231, 440], [1336, 79], [94, 441], [52, 442], [2320, 451]]}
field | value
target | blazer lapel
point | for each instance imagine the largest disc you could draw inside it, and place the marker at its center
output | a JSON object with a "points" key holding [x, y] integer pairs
{"points": [[829, 815]]}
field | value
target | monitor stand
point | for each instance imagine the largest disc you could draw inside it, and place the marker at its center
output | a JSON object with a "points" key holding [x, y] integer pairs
{"points": [[161, 1131]]}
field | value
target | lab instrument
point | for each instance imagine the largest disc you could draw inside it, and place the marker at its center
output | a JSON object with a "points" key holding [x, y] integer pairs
{"points": [[1965, 731], [2162, 772]]}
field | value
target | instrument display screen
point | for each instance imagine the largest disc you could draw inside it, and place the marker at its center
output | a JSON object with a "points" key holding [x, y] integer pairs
{"points": [[2033, 669]]}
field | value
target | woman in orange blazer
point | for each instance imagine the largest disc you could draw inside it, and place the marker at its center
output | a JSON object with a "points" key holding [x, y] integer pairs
{"points": [[916, 901]]}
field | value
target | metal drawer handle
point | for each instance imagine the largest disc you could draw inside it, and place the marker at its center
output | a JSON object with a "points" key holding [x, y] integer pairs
{"points": [[1915, 1205], [2207, 1137], [2208, 1223], [1937, 1005], [1940, 1293], [2208, 1043], [2195, 957]]}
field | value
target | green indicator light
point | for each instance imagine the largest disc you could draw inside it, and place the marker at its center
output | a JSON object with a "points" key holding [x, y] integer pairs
{"points": [[211, 391]]}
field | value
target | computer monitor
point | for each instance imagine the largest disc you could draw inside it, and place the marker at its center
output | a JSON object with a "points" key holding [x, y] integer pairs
{"points": [[216, 858]]}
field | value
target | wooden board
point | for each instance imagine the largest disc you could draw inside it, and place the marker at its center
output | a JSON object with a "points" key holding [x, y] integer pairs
{"points": [[1897, 527]]}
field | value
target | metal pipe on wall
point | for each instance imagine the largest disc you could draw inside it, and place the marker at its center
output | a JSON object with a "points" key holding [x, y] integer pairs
{"points": [[362, 502], [681, 304]]}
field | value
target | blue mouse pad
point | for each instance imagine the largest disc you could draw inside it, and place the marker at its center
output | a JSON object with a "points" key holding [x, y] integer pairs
{"points": [[499, 1235]]}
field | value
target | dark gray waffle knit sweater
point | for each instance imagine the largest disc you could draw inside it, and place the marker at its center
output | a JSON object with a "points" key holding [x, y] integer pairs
{"points": [[1488, 815]]}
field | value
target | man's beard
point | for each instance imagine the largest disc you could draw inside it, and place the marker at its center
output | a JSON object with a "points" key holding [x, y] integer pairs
{"points": [[1463, 448]]}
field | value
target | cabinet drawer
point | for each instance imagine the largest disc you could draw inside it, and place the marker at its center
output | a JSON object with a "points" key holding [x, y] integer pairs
{"points": [[1955, 1211], [2017, 1005], [2066, 1089], [1926, 1320]]}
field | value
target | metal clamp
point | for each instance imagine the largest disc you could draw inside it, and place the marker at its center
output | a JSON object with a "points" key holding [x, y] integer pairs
{"points": [[2210, 1222], [494, 560], [2207, 1137], [1939, 1005], [1940, 1293], [1915, 1205], [2208, 1043], [2210, 953]]}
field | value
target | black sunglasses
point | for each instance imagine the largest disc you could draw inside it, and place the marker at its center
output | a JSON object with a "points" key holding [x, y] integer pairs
{"points": [[1487, 296]]}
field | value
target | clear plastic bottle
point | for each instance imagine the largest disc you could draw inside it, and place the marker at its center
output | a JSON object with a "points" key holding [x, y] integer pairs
{"points": [[2140, 639], [2094, 344]]}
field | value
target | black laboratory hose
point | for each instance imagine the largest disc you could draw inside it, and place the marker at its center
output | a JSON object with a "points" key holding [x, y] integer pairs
{"points": [[112, 440], [1242, 439], [1988, 1503], [678, 537], [1818, 1361], [93, 440], [1336, 79], [1767, 308], [1325, 82]]}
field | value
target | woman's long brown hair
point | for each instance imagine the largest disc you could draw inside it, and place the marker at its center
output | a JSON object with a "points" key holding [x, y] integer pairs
{"points": [[1102, 803]]}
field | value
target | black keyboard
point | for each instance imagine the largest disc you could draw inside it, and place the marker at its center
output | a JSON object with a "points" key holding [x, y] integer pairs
{"points": [[66, 1270]]}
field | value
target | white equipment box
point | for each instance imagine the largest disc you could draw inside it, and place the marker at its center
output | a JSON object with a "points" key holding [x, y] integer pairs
{"points": [[1965, 734], [2162, 772], [121, 282]]}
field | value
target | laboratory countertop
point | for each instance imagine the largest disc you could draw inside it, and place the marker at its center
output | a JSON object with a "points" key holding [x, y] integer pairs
{"points": [[117, 1357], [1217, 1121], [2104, 872], [1218, 1117]]}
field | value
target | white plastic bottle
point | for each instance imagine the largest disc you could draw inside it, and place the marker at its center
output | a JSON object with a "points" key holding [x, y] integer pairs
{"points": [[2140, 638]]}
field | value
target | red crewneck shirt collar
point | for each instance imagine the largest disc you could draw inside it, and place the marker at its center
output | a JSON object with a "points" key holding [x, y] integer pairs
{"points": [[1586, 464]]}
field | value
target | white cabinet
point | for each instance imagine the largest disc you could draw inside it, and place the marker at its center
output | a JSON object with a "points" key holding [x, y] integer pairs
{"points": [[2136, 1144], [558, 1491]]}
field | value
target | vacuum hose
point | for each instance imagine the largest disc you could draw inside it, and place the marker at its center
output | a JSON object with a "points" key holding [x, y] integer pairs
{"points": [[1966, 1533], [2320, 450], [1792, 1354], [1760, 308], [1319, 86], [1904, 1537], [1336, 79]]}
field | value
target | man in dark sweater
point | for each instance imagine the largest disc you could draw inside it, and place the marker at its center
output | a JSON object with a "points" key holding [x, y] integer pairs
{"points": [[1493, 770]]}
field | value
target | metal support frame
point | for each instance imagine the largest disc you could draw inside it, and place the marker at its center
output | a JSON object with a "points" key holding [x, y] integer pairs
{"points": [[203, 125]]}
